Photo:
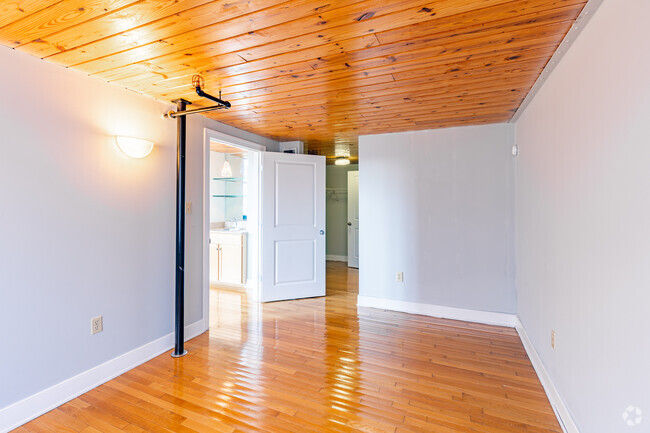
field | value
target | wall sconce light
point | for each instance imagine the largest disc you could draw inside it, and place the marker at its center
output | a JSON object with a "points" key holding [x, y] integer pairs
{"points": [[134, 147], [341, 160]]}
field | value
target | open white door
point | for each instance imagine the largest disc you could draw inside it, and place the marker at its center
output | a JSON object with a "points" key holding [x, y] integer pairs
{"points": [[353, 219], [293, 226]]}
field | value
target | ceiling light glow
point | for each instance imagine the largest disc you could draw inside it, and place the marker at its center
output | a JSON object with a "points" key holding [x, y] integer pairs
{"points": [[342, 160]]}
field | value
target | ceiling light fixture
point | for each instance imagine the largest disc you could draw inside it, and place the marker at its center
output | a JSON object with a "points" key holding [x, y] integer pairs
{"points": [[341, 160], [226, 170], [134, 147]]}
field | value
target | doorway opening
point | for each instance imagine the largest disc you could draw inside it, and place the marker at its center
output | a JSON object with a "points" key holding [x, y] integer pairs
{"points": [[343, 214], [232, 218], [264, 222]]}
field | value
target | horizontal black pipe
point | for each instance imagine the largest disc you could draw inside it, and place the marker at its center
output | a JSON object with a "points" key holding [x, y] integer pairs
{"points": [[202, 94], [175, 114]]}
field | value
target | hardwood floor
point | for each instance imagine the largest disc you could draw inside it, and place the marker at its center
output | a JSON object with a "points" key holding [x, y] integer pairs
{"points": [[321, 365]]}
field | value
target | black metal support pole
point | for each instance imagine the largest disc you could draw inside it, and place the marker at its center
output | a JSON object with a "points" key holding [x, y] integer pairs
{"points": [[181, 122], [179, 349]]}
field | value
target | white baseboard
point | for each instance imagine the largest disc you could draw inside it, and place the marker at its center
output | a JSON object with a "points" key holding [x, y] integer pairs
{"points": [[194, 330], [487, 317], [35, 405], [560, 409], [336, 258]]}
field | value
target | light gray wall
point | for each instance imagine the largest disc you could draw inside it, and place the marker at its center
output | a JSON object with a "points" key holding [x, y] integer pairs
{"points": [[583, 220], [438, 206], [86, 230], [337, 210]]}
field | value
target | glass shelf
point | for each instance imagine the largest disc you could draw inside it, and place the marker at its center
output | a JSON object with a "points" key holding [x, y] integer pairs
{"points": [[227, 196], [229, 179]]}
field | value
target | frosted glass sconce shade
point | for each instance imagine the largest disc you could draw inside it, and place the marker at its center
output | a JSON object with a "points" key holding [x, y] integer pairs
{"points": [[134, 147]]}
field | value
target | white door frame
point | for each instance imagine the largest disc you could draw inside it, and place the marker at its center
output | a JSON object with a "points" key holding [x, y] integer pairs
{"points": [[208, 135]]}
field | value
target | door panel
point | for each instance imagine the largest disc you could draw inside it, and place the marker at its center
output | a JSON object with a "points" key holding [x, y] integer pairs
{"points": [[295, 261], [353, 219], [294, 194], [214, 263], [231, 263], [293, 226]]}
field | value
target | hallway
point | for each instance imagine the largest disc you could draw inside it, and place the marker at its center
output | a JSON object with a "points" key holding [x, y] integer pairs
{"points": [[320, 365]]}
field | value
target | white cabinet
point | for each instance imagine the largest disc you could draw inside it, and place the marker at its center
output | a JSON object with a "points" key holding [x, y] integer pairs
{"points": [[228, 257]]}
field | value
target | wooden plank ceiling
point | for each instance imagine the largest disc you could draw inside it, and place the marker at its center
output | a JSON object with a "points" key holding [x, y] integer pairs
{"points": [[323, 72]]}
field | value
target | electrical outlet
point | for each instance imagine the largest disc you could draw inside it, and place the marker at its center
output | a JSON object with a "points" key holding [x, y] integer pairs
{"points": [[399, 277], [96, 325], [552, 338], [188, 207]]}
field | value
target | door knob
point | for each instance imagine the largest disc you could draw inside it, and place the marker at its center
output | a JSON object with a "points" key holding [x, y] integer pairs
{"points": [[349, 224], [322, 232]]}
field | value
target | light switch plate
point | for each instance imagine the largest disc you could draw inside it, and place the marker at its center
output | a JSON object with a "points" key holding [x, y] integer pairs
{"points": [[553, 338]]}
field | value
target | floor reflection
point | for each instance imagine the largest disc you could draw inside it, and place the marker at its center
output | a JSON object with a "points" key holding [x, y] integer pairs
{"points": [[303, 350]]}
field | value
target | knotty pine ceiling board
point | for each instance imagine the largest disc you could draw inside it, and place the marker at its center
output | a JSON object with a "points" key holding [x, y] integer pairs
{"points": [[215, 146], [316, 71]]}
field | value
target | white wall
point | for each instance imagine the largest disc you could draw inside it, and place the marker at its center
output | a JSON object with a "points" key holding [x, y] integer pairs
{"points": [[337, 209], [85, 230], [437, 205], [583, 220]]}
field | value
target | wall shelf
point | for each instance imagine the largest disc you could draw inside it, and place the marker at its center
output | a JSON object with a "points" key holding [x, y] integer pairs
{"points": [[227, 193], [229, 179]]}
